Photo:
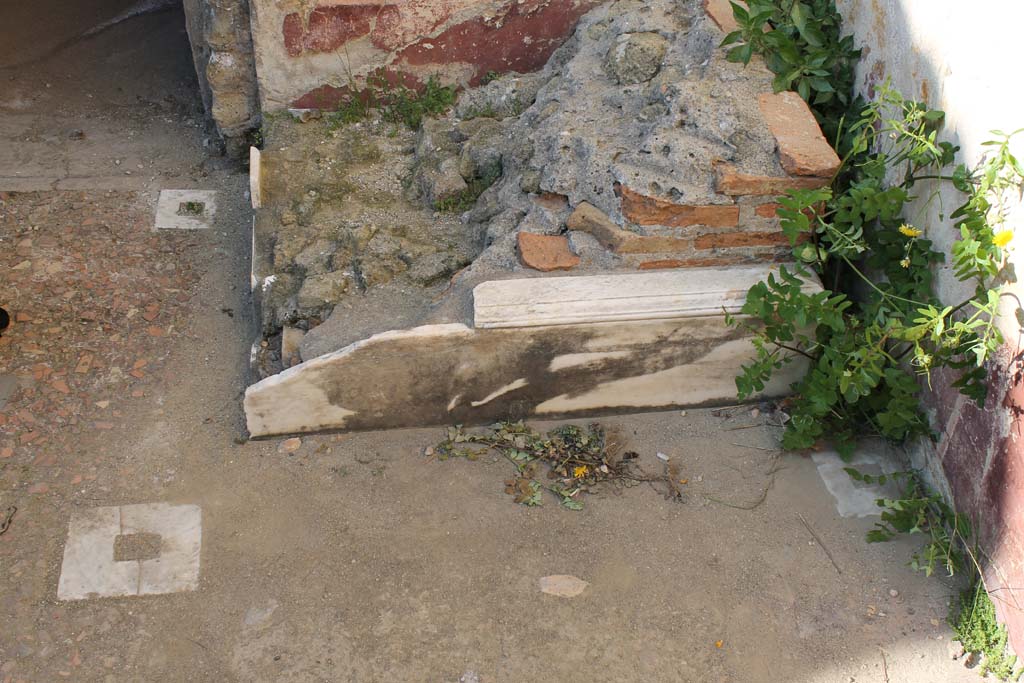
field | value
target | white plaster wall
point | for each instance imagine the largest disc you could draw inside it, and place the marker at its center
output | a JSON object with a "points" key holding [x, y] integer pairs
{"points": [[963, 58]]}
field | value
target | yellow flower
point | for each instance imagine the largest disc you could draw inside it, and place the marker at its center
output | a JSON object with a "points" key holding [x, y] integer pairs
{"points": [[910, 231], [905, 262], [580, 471], [1002, 238]]}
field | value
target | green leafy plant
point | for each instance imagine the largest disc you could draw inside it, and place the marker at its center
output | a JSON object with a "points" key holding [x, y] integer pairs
{"points": [[487, 111], [802, 44], [489, 77], [976, 626], [408, 106], [918, 510], [396, 102], [878, 323]]}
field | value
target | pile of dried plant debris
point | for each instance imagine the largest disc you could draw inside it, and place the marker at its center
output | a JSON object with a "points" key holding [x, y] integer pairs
{"points": [[568, 461]]}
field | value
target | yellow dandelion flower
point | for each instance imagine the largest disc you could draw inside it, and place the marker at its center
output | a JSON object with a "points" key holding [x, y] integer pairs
{"points": [[910, 231], [905, 262], [580, 471], [1002, 238]]}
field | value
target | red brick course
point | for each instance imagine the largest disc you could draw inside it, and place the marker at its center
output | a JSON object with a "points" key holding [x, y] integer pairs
{"points": [[769, 210], [732, 182], [724, 240], [643, 210], [587, 218], [705, 262]]}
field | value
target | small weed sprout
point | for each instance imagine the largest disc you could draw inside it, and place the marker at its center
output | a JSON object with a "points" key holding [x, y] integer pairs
{"points": [[397, 103], [977, 628]]}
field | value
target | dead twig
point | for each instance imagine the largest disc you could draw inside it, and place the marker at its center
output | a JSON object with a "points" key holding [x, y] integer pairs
{"points": [[759, 448], [885, 665], [764, 494], [752, 506], [821, 545], [196, 642], [751, 426]]}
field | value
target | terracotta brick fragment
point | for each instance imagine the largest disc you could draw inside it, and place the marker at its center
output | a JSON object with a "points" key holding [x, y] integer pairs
{"points": [[730, 181], [546, 252], [725, 240], [588, 218], [720, 12], [643, 210], [803, 150], [84, 363]]}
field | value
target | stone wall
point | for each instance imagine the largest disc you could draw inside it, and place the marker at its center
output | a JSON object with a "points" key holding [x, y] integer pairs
{"points": [[963, 60], [222, 49], [309, 53]]}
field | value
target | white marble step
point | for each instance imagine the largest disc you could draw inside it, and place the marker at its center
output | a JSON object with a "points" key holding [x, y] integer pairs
{"points": [[614, 297]]}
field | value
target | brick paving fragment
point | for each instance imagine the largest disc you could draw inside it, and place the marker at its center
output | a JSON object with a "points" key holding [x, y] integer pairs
{"points": [[95, 313]]}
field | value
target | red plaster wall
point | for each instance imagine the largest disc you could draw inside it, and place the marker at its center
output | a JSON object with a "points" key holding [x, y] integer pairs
{"points": [[984, 466], [422, 37]]}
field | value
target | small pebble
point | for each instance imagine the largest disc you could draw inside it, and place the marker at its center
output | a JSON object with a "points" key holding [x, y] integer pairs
{"points": [[662, 456], [290, 445], [893, 593]]}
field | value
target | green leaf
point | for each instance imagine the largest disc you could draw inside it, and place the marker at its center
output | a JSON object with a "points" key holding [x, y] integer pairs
{"points": [[571, 504], [799, 14], [804, 88]]}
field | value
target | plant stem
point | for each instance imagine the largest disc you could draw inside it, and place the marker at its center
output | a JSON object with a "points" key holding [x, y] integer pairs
{"points": [[875, 287]]}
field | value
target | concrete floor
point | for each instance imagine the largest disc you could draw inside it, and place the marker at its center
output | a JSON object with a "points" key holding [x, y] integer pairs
{"points": [[357, 558]]}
